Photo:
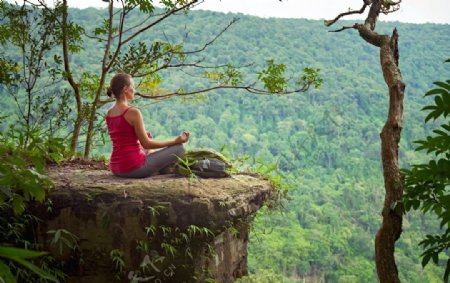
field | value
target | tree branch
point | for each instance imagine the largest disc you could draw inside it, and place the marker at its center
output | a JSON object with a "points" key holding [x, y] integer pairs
{"points": [[213, 40], [342, 28], [140, 24], [119, 45], [376, 6], [374, 12], [370, 36], [250, 88], [43, 5], [68, 72], [100, 103], [390, 6], [95, 37], [170, 53], [360, 11], [168, 14]]}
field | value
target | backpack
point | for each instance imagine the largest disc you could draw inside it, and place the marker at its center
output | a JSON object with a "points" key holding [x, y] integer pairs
{"points": [[204, 163]]}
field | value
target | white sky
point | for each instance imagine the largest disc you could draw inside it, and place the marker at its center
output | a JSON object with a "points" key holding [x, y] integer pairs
{"points": [[412, 11]]}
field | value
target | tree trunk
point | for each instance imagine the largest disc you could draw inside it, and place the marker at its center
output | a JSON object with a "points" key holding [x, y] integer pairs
{"points": [[391, 227], [76, 131], [105, 68], [69, 77], [90, 132], [92, 115]]}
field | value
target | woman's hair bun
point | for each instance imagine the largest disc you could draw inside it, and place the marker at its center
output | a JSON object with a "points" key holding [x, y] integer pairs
{"points": [[109, 92]]}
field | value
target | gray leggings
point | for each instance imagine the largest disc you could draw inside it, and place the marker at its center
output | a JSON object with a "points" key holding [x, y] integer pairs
{"points": [[156, 161]]}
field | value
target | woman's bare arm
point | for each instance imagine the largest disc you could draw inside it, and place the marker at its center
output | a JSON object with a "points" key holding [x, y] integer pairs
{"points": [[134, 117]]}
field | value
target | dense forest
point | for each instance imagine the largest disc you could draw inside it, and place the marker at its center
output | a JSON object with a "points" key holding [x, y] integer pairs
{"points": [[325, 141]]}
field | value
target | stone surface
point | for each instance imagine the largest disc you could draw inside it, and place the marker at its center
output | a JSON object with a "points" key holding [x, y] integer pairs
{"points": [[184, 230]]}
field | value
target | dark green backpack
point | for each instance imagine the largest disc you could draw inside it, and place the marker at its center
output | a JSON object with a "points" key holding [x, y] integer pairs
{"points": [[205, 163]]}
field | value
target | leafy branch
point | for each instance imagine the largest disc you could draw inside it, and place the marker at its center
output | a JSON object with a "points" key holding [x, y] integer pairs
{"points": [[427, 185]]}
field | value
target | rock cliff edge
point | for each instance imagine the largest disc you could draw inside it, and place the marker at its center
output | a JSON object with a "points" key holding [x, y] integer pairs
{"points": [[159, 229]]}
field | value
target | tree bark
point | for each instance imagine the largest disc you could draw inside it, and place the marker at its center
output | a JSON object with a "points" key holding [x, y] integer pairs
{"points": [[90, 132], [105, 69], [391, 227], [69, 77]]}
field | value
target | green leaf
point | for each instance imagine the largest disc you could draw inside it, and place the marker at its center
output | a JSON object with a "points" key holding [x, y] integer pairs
{"points": [[435, 91], [447, 127], [10, 252], [435, 114], [443, 85], [5, 274], [426, 258], [429, 107], [447, 268], [42, 273], [435, 258], [439, 132], [415, 204], [18, 204]]}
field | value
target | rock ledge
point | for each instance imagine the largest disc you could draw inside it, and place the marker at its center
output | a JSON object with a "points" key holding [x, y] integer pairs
{"points": [[187, 230]]}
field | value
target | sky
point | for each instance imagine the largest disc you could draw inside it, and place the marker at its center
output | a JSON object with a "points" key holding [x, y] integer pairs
{"points": [[412, 11]]}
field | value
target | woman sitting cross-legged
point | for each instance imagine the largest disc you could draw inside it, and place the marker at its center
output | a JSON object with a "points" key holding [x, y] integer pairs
{"points": [[131, 156]]}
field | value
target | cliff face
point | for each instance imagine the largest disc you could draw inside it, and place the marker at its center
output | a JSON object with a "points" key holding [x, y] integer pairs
{"points": [[159, 229]]}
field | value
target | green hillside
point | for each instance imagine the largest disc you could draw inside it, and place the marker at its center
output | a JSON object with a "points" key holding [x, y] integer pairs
{"points": [[326, 141]]}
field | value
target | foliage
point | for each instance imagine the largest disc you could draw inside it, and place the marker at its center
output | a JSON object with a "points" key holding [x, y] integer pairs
{"points": [[268, 170], [140, 59], [326, 230], [63, 239], [8, 71], [166, 246], [273, 78], [30, 34], [119, 263], [22, 178], [428, 184], [29, 70], [23, 155], [21, 256]]}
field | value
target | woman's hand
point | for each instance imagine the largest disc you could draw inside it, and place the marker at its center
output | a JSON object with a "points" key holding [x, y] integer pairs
{"points": [[182, 137]]}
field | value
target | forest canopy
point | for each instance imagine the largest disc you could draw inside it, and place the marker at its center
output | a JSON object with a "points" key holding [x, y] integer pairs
{"points": [[325, 141]]}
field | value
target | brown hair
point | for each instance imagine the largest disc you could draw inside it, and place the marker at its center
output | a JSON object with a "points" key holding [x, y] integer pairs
{"points": [[118, 82]]}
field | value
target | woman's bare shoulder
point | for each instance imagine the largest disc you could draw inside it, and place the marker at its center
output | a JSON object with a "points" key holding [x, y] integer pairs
{"points": [[133, 115], [134, 111]]}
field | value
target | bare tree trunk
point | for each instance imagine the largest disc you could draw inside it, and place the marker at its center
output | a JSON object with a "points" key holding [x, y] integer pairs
{"points": [[391, 227], [73, 84]]}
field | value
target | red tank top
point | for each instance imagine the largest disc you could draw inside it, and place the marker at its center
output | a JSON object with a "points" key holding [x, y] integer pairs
{"points": [[127, 153]]}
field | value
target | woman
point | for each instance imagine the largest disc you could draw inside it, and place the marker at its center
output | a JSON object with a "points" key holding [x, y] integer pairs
{"points": [[130, 140]]}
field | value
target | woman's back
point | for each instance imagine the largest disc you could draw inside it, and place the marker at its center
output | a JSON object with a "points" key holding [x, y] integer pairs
{"points": [[127, 153]]}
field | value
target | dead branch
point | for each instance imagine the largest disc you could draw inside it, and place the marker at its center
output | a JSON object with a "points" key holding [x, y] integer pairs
{"points": [[360, 11], [342, 28]]}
